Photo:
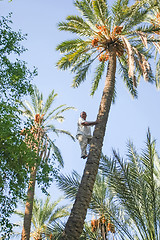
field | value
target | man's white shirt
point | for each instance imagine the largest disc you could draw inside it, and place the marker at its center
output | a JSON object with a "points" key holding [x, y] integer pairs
{"points": [[83, 130]]}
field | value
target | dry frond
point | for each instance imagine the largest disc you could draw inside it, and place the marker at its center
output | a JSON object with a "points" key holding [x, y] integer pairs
{"points": [[157, 45], [130, 57], [143, 63], [143, 37]]}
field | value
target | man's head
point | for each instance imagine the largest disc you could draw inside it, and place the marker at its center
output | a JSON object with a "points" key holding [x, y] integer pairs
{"points": [[83, 115]]}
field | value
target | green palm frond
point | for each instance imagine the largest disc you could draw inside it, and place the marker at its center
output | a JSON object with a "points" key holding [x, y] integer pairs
{"points": [[56, 153], [26, 112], [71, 58], [60, 131], [76, 25], [80, 62], [57, 114], [48, 115], [101, 11], [69, 184], [49, 102], [126, 79], [60, 212], [81, 74], [70, 45], [35, 98], [86, 9], [119, 10], [54, 231], [98, 75], [80, 24], [29, 109]]}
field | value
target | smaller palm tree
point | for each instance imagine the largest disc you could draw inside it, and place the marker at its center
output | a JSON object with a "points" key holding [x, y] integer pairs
{"points": [[44, 214], [38, 140]]}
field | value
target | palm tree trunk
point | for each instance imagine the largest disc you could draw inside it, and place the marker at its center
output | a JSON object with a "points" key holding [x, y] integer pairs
{"points": [[29, 206], [74, 225]]}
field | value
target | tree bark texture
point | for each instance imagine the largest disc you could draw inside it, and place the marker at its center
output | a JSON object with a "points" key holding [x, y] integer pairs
{"points": [[29, 206], [74, 225]]}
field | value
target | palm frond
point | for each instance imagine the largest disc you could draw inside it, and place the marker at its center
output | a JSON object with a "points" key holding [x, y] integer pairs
{"points": [[34, 97], [70, 59], [86, 9], [101, 11], [75, 24], [128, 81], [158, 74], [54, 110], [69, 184], [49, 102], [98, 75], [65, 132], [70, 45], [130, 59], [120, 11], [57, 153], [80, 24], [61, 111], [60, 212], [28, 109], [81, 74]]}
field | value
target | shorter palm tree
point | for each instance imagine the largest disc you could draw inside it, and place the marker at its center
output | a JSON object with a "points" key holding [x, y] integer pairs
{"points": [[44, 213], [38, 140]]}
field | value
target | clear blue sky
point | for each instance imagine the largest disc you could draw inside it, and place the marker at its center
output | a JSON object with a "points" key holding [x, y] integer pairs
{"points": [[128, 119]]}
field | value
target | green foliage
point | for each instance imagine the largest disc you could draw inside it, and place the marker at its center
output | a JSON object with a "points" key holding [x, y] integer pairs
{"points": [[15, 82]]}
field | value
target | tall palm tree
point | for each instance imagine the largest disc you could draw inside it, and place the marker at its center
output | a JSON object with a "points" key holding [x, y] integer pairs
{"points": [[118, 37], [38, 140], [44, 213], [136, 184]]}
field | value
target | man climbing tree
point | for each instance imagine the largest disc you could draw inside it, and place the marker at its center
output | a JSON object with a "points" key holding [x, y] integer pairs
{"points": [[84, 133]]}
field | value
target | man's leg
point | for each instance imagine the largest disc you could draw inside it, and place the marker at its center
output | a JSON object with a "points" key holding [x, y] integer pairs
{"points": [[83, 141]]}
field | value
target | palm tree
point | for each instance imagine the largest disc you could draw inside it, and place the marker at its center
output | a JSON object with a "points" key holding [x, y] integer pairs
{"points": [[136, 184], [38, 140], [44, 213], [105, 37]]}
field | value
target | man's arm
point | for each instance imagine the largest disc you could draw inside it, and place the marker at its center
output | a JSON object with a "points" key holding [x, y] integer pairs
{"points": [[90, 123]]}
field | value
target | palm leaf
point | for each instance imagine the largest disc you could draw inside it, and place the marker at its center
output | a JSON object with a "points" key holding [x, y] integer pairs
{"points": [[98, 75], [70, 45], [49, 102], [101, 11], [86, 9]]}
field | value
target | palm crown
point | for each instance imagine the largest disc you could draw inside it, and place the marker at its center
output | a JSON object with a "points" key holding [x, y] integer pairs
{"points": [[120, 28], [38, 112]]}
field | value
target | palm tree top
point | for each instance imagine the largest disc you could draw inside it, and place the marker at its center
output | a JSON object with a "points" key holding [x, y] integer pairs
{"points": [[123, 29], [38, 111]]}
